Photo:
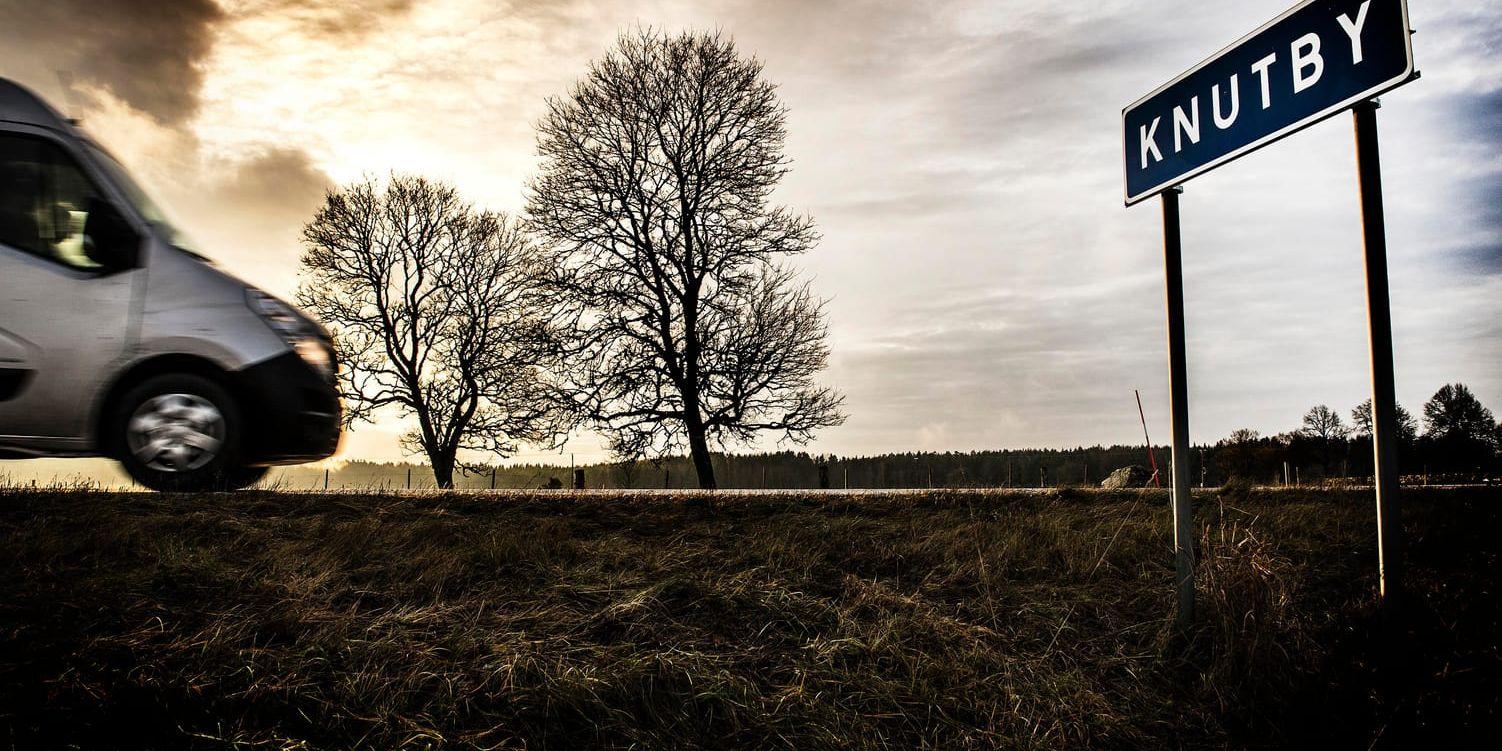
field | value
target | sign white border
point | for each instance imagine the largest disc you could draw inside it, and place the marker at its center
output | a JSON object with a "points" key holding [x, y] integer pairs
{"points": [[1407, 75]]}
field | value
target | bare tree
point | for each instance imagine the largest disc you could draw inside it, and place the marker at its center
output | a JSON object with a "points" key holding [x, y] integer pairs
{"points": [[439, 312], [1454, 413], [1238, 453], [654, 191], [1324, 424], [1361, 423]]}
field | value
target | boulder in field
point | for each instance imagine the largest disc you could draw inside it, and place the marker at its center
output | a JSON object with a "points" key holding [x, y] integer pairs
{"points": [[1134, 476]]}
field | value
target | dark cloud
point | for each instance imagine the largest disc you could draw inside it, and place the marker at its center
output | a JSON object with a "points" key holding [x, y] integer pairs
{"points": [[1480, 121], [147, 53], [247, 212], [150, 53], [340, 18], [280, 181]]}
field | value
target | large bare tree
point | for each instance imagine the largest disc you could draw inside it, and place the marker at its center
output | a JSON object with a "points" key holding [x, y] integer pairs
{"points": [[654, 192], [439, 312]]}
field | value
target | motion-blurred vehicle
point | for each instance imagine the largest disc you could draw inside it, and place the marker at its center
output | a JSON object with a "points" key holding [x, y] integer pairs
{"points": [[117, 341]]}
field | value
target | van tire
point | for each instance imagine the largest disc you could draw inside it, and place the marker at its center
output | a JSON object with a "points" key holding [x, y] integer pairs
{"points": [[186, 404]]}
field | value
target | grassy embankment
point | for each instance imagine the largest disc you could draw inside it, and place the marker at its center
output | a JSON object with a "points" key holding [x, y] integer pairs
{"points": [[937, 620]]}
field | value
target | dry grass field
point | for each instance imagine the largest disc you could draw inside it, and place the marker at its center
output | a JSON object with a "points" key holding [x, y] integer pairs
{"points": [[944, 620]]}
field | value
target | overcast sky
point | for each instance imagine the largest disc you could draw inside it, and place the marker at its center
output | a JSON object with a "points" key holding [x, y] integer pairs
{"points": [[962, 159]]}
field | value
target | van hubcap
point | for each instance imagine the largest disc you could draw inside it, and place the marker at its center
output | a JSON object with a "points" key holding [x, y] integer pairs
{"points": [[176, 432]]}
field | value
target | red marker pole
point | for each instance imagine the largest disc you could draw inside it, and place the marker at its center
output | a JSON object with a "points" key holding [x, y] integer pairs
{"points": [[1152, 456]]}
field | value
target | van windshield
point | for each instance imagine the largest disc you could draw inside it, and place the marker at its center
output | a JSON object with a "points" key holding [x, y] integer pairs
{"points": [[138, 198]]}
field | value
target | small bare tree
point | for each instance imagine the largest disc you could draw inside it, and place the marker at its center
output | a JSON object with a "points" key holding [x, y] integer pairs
{"points": [[1323, 424], [654, 192], [439, 313]]}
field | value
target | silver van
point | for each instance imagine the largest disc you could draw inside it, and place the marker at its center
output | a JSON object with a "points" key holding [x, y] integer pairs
{"points": [[117, 341]]}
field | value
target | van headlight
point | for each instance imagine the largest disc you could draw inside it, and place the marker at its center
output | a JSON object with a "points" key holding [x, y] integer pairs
{"points": [[278, 315], [317, 354], [294, 330]]}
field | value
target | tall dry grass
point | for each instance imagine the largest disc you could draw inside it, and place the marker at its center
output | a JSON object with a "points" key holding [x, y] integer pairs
{"points": [[933, 620]]}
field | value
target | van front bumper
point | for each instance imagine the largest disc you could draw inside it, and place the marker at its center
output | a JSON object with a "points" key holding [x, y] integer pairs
{"points": [[292, 414]]}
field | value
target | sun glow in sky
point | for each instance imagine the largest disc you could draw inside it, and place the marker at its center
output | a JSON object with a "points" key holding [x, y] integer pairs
{"points": [[962, 160]]}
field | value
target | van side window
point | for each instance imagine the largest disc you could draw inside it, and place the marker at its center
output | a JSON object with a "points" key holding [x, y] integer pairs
{"points": [[45, 199]]}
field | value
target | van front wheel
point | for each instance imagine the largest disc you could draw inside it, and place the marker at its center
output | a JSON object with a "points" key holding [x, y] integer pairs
{"points": [[179, 433]]}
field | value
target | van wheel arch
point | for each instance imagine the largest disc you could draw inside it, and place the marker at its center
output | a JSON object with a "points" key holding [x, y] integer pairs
{"points": [[139, 373]]}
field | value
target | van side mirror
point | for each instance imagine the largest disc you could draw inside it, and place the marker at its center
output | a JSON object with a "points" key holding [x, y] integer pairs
{"points": [[108, 239]]}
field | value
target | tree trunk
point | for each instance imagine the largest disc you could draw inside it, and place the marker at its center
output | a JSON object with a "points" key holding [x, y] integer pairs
{"points": [[693, 420], [443, 470], [698, 447]]}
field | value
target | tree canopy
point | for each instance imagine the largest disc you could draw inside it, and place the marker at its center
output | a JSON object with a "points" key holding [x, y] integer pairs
{"points": [[654, 196], [439, 313]]}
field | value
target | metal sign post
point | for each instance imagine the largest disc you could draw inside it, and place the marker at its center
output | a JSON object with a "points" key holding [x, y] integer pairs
{"points": [[1178, 386], [1379, 324], [1317, 59]]}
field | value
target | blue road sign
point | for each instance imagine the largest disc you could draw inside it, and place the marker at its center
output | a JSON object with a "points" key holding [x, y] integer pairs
{"points": [[1313, 61]]}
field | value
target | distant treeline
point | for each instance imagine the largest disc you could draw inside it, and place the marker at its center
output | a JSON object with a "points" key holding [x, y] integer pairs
{"points": [[779, 470], [1261, 461], [1460, 441]]}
